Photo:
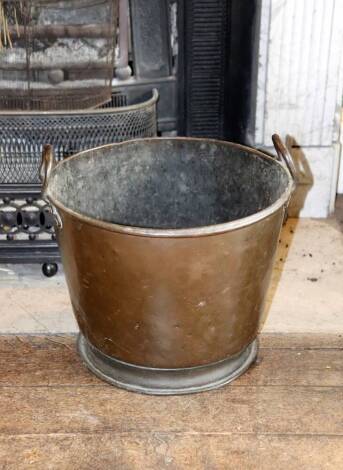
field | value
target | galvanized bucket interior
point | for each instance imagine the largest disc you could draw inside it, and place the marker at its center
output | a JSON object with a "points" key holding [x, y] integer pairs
{"points": [[169, 183]]}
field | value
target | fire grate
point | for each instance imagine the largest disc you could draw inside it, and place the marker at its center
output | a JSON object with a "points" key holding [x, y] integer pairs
{"points": [[56, 54]]}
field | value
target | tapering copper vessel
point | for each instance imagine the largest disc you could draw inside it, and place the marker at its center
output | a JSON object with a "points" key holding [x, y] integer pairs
{"points": [[168, 247]]}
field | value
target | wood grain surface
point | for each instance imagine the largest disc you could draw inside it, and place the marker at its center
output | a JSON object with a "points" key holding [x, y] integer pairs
{"points": [[285, 413]]}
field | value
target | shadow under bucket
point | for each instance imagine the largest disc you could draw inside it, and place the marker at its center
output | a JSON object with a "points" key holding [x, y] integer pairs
{"points": [[167, 247]]}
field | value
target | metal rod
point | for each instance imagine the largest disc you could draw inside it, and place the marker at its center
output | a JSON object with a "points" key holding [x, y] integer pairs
{"points": [[63, 30], [102, 65]]}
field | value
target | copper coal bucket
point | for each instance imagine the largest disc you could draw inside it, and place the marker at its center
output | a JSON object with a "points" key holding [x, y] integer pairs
{"points": [[167, 247]]}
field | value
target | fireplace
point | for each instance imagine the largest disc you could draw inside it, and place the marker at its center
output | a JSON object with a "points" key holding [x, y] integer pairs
{"points": [[200, 56]]}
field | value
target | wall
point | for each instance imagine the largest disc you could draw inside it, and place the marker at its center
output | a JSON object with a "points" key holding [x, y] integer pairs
{"points": [[300, 88]]}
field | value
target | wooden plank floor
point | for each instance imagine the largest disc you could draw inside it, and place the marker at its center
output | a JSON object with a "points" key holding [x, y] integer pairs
{"points": [[286, 412]]}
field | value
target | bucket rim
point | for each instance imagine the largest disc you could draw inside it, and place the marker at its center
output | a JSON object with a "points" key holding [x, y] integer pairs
{"points": [[204, 230]]}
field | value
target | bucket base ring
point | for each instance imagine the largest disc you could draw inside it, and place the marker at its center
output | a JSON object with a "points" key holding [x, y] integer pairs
{"points": [[156, 381]]}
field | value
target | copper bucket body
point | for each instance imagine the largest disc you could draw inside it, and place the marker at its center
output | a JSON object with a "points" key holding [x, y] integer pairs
{"points": [[168, 247]]}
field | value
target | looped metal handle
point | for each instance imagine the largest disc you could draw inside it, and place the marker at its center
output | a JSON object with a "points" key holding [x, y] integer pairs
{"points": [[284, 156], [47, 164]]}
